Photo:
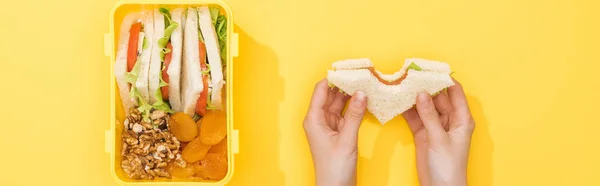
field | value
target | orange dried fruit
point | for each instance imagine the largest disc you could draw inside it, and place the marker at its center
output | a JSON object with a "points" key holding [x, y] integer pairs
{"points": [[180, 172], [212, 167], [182, 126], [213, 127], [198, 123], [183, 144], [220, 148], [194, 151]]}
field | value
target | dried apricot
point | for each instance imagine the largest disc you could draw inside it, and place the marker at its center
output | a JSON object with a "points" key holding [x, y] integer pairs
{"points": [[194, 151], [220, 148], [214, 127], [182, 126], [180, 172], [198, 123], [212, 167], [183, 144]]}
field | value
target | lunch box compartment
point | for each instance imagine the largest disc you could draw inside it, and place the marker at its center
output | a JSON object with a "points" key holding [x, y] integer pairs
{"points": [[113, 136]]}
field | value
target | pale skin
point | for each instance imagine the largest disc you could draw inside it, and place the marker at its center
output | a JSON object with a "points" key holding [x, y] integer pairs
{"points": [[442, 127]]}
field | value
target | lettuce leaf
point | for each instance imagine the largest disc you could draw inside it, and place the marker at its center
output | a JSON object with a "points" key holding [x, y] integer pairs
{"points": [[143, 106], [145, 43], [131, 77], [160, 104], [163, 41], [221, 29], [209, 105], [170, 25], [414, 67], [167, 13], [214, 13]]}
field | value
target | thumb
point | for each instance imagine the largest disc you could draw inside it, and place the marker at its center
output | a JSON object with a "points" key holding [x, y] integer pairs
{"points": [[430, 118], [353, 117]]}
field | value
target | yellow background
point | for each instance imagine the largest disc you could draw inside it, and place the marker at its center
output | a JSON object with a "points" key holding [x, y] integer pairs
{"points": [[529, 68]]}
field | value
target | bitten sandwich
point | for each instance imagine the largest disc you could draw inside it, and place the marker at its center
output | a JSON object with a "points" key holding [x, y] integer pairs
{"points": [[389, 95]]}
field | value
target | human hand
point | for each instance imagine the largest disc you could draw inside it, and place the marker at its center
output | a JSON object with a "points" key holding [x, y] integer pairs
{"points": [[442, 128], [333, 137]]}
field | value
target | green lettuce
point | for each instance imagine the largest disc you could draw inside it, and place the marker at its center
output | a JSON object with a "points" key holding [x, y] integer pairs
{"points": [[170, 25], [167, 13], [214, 14], [221, 29], [220, 23], [145, 43], [160, 104], [414, 66], [131, 77], [209, 105]]}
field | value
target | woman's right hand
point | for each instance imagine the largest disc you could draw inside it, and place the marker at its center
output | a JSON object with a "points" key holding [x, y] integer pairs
{"points": [[442, 127]]}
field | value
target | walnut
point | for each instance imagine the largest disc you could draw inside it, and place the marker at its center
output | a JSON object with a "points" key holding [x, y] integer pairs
{"points": [[148, 146]]}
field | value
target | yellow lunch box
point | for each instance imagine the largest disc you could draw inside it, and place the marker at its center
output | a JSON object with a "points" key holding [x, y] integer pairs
{"points": [[117, 114]]}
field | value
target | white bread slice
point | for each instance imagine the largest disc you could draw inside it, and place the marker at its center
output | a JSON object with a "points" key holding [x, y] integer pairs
{"points": [[142, 81], [387, 101], [213, 54], [352, 64], [121, 61], [191, 83], [155, 61], [174, 70]]}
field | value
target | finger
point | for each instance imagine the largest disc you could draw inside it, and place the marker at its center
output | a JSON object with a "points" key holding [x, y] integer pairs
{"points": [[331, 94], [458, 100], [319, 97], [353, 117], [442, 103], [338, 104], [429, 117], [412, 118]]}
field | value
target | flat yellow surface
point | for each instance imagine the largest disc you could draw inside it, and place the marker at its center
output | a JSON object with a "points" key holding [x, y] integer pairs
{"points": [[529, 67]]}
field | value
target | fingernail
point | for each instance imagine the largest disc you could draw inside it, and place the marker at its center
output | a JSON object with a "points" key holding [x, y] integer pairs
{"points": [[424, 98], [359, 97]]}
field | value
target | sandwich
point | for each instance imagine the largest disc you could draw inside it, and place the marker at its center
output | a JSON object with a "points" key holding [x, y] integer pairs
{"points": [[133, 60], [165, 64], [203, 59], [389, 95], [148, 63]]}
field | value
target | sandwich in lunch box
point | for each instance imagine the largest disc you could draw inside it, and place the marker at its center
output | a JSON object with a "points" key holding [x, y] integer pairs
{"points": [[170, 74], [172, 60], [203, 56], [389, 95]]}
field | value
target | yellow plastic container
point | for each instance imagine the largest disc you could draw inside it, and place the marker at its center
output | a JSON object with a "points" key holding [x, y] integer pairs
{"points": [[113, 136]]}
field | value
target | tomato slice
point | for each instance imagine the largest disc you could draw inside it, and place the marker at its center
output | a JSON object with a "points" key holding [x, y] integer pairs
{"points": [[384, 81], [134, 34], [201, 103], [165, 90]]}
